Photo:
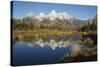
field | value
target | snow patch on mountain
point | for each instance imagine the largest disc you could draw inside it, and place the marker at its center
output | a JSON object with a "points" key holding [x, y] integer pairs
{"points": [[53, 15]]}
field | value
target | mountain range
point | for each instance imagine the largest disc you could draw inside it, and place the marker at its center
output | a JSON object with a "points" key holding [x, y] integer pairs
{"points": [[55, 19]]}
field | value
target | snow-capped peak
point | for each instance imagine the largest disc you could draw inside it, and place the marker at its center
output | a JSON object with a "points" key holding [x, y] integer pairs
{"points": [[52, 15], [42, 14], [53, 12], [30, 14], [61, 15]]}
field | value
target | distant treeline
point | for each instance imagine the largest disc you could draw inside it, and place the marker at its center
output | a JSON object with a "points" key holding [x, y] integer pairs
{"points": [[92, 25], [21, 24]]}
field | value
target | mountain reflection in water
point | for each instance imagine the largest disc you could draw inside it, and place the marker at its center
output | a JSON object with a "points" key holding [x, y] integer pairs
{"points": [[47, 51]]}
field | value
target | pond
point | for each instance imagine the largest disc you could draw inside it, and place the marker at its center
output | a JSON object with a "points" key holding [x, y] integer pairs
{"points": [[44, 51]]}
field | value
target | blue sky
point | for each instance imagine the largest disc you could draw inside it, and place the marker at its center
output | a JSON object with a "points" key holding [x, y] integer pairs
{"points": [[21, 9]]}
